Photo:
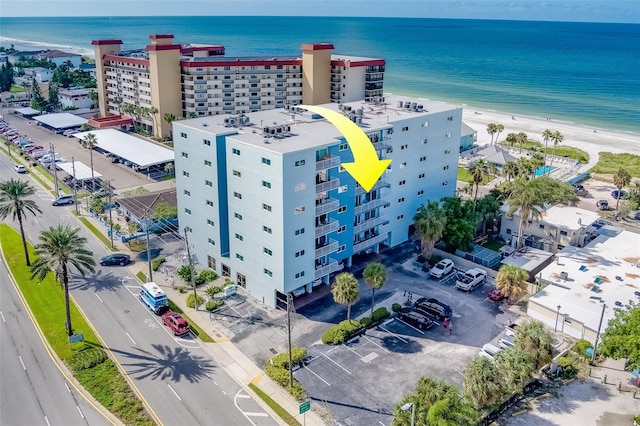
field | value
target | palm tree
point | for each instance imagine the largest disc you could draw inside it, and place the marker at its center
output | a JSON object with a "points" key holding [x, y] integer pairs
{"points": [[522, 138], [90, 141], [482, 382], [512, 139], [430, 222], [537, 161], [375, 276], [516, 367], [492, 129], [556, 138], [93, 95], [525, 168], [13, 201], [452, 411], [510, 169], [61, 247], [118, 103], [153, 111], [499, 129], [547, 135], [512, 281], [192, 115], [169, 168], [621, 179], [489, 207], [346, 291], [170, 118], [479, 170], [526, 197], [533, 338]]}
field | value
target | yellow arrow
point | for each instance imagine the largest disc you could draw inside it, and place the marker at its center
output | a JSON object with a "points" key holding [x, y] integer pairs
{"points": [[366, 168]]}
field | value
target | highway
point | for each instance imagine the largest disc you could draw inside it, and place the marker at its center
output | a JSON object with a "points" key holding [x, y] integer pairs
{"points": [[177, 378]]}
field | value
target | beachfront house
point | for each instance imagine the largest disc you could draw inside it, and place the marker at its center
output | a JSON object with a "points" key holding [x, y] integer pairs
{"points": [[468, 136], [42, 75], [59, 57], [75, 98]]}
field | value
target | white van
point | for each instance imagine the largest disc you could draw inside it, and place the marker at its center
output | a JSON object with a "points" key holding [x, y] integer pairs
{"points": [[489, 351], [47, 157]]}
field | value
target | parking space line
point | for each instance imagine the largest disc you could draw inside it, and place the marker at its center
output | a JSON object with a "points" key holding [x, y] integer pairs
{"points": [[349, 372], [393, 334], [386, 350], [409, 325], [352, 350], [311, 371]]}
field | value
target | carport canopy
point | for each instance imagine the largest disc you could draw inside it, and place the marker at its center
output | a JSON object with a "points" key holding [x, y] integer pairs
{"points": [[27, 112], [132, 149], [61, 120], [82, 171]]}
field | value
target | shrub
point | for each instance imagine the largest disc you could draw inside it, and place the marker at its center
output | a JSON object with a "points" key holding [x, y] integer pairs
{"points": [[380, 314], [435, 259], [282, 360], [212, 305], [421, 258], [87, 358], [396, 307], [581, 347], [208, 275], [366, 322], [185, 272], [191, 300], [155, 263], [227, 282], [566, 368], [277, 368], [213, 290], [180, 289], [339, 333]]}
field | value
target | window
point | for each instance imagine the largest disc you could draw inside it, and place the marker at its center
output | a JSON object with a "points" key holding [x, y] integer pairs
{"points": [[342, 189], [237, 216], [239, 257], [267, 251], [425, 124], [187, 211], [239, 237], [183, 135], [448, 135], [185, 155], [210, 222], [402, 182], [421, 192], [401, 200], [300, 209], [266, 207], [445, 168], [450, 118], [400, 217], [189, 229], [342, 248], [266, 229], [389, 150], [235, 151], [403, 165], [405, 146], [187, 193], [299, 163], [237, 195], [209, 203], [508, 231], [541, 226], [342, 229], [211, 242], [421, 176], [343, 147], [299, 231], [423, 158], [266, 184], [425, 141], [342, 209], [207, 163], [237, 173], [185, 173], [208, 183], [447, 151], [445, 183], [563, 232], [300, 253], [299, 186], [206, 142], [268, 272], [405, 128], [299, 274], [266, 161]]}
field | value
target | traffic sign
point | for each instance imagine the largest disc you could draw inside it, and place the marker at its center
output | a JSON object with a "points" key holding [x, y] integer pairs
{"points": [[305, 406]]}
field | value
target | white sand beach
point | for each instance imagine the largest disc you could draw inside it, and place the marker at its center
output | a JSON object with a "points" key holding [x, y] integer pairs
{"points": [[32, 46]]}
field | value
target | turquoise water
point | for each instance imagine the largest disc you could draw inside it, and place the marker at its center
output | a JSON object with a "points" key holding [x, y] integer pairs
{"points": [[543, 170], [585, 73]]}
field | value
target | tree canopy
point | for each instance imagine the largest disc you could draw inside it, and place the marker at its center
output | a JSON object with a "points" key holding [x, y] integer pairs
{"points": [[165, 210], [621, 339], [461, 223]]}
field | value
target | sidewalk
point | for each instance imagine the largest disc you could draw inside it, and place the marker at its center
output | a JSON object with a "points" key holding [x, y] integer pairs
{"points": [[230, 358]]}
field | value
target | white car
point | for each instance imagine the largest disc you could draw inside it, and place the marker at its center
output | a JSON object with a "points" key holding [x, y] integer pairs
{"points": [[489, 351], [442, 268], [471, 279], [19, 168]]}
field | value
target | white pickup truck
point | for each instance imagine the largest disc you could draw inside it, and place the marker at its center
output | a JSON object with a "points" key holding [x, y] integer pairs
{"points": [[471, 279]]}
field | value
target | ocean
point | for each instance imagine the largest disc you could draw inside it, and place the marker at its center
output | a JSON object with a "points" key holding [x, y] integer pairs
{"points": [[584, 73]]}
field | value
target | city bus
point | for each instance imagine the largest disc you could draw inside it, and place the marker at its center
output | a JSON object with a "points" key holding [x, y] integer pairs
{"points": [[153, 297]]}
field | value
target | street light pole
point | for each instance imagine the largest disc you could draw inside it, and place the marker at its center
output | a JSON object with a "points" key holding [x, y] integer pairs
{"points": [[411, 405], [595, 346], [289, 306], [555, 327], [110, 219], [75, 188], [55, 168], [192, 269]]}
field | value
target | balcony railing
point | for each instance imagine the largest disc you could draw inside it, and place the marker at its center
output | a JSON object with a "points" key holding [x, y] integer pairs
{"points": [[369, 205], [381, 145], [327, 163], [363, 245], [328, 205], [329, 248], [328, 185], [379, 184], [330, 226], [331, 267], [368, 224]]}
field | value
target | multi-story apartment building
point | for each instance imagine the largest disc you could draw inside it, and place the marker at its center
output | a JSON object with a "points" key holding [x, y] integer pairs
{"points": [[198, 80], [266, 201]]}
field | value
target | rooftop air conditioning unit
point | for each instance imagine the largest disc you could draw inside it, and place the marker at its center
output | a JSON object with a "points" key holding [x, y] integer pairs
{"points": [[564, 275], [399, 104], [407, 105]]}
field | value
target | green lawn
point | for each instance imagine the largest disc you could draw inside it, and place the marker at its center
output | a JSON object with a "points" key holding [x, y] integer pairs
{"points": [[561, 150], [493, 245], [465, 176], [284, 414], [96, 232], [16, 89], [609, 163]]}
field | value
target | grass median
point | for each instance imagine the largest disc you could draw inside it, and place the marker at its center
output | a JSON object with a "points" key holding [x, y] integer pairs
{"points": [[46, 302], [194, 327], [96, 232], [284, 414]]}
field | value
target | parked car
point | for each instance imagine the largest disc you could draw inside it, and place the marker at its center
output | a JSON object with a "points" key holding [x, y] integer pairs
{"points": [[415, 318], [602, 205], [433, 307], [176, 323], [33, 148], [506, 342], [115, 259], [601, 222], [471, 279], [636, 215], [495, 295], [63, 199], [489, 351], [38, 153], [580, 189], [19, 168], [510, 330], [619, 193], [442, 268]]}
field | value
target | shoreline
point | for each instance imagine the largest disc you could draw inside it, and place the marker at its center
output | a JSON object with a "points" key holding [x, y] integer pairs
{"points": [[27, 45]]}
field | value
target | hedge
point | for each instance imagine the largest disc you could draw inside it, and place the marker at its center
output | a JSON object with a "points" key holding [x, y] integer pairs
{"points": [[277, 368], [155, 263], [212, 305], [339, 333], [191, 300], [380, 314]]}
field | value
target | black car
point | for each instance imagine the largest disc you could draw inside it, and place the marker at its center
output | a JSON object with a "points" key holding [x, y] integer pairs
{"points": [[415, 318], [434, 308], [115, 259]]}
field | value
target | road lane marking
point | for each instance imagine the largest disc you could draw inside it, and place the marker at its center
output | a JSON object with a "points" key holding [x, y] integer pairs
{"points": [[24, 367], [256, 414], [224, 392], [80, 411], [352, 350], [2, 315], [243, 396], [349, 372], [67, 386], [174, 392], [216, 383], [98, 297], [207, 374], [131, 338], [47, 420], [311, 371], [235, 402]]}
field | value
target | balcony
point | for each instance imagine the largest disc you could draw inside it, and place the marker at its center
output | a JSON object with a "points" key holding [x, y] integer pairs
{"points": [[328, 248], [381, 145], [330, 226], [363, 245], [327, 205], [228, 90], [328, 185], [369, 205], [327, 163], [329, 268], [379, 184], [335, 79], [371, 223]]}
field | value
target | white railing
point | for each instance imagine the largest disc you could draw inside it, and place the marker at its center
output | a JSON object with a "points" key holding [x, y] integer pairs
{"points": [[363, 245], [333, 266]]}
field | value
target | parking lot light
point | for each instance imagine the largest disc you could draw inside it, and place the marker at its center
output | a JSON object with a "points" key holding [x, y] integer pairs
{"points": [[555, 328], [411, 405]]}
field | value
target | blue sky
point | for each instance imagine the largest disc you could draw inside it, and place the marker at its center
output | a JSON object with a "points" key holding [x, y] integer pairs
{"points": [[545, 10]]}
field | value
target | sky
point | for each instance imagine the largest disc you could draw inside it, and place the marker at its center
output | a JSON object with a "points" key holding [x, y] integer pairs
{"points": [[624, 11]]}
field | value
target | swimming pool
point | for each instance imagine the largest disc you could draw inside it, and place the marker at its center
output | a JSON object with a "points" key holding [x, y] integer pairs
{"points": [[543, 170]]}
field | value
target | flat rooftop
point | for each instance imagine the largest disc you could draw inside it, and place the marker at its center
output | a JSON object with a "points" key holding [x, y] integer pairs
{"points": [[61, 120], [307, 130], [568, 217], [527, 258]]}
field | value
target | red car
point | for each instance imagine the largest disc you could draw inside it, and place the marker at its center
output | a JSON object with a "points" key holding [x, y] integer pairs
{"points": [[176, 323], [495, 295]]}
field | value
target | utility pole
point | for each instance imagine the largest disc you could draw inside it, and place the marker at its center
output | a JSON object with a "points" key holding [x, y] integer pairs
{"points": [[55, 168], [289, 307], [192, 269], [75, 188], [595, 346], [146, 231], [110, 220]]}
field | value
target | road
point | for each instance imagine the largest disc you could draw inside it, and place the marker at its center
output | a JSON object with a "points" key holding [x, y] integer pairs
{"points": [[178, 379]]}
